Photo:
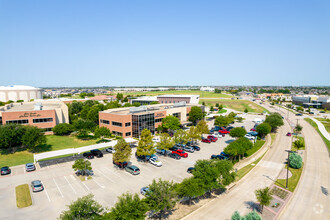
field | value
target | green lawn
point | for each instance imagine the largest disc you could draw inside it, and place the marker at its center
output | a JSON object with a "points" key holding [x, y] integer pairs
{"points": [[325, 122], [326, 141], [222, 111], [203, 94], [243, 171], [53, 143], [273, 137], [236, 104], [23, 196], [294, 148], [255, 148], [293, 180]]}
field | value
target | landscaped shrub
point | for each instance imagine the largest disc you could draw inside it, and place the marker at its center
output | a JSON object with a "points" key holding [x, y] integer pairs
{"points": [[295, 161]]}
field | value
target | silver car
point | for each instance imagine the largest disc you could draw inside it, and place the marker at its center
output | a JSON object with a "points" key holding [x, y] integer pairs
{"points": [[30, 167], [110, 150], [37, 186], [144, 190], [133, 169]]}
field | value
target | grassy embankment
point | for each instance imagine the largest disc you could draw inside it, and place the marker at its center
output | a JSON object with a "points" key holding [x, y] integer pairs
{"points": [[293, 180], [53, 143], [235, 104], [326, 141], [245, 170], [325, 122], [23, 196]]}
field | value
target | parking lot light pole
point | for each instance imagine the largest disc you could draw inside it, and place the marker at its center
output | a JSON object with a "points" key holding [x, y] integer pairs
{"points": [[287, 171]]}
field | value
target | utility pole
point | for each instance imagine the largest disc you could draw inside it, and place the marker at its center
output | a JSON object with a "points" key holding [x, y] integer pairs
{"points": [[287, 171]]}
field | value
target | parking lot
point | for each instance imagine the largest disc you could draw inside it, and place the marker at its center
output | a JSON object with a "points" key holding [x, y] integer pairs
{"points": [[61, 185]]}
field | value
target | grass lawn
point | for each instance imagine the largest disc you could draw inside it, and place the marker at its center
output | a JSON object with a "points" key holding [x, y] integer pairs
{"points": [[273, 137], [255, 148], [326, 123], [293, 180], [222, 111], [236, 104], [243, 171], [294, 148], [326, 141], [23, 196], [203, 94], [53, 143]]}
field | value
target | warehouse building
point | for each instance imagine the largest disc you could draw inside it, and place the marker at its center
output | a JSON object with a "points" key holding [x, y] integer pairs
{"points": [[14, 93], [166, 99], [129, 122]]}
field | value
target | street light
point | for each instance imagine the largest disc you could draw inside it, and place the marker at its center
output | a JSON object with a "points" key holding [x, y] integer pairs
{"points": [[287, 172]]}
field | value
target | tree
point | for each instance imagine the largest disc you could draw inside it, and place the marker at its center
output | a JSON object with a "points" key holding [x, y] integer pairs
{"points": [[203, 103], [63, 129], [195, 114], [81, 164], [217, 105], [171, 122], [194, 133], [221, 121], [208, 174], [166, 142], [274, 120], [246, 110], [211, 108], [102, 132], [295, 161], [202, 127], [146, 144], [263, 129], [83, 95], [123, 151], [128, 206], [84, 111], [225, 169], [236, 216], [119, 96], [239, 147], [136, 104], [93, 114], [237, 132], [181, 137], [220, 107], [264, 196], [33, 137], [252, 216], [298, 128], [161, 196], [299, 143], [11, 135], [84, 126], [190, 188], [83, 208]]}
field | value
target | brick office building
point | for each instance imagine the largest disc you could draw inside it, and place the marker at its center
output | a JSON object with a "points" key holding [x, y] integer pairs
{"points": [[129, 122], [43, 115]]}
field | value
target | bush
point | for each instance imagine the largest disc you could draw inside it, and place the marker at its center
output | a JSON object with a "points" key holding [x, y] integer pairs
{"points": [[295, 161], [63, 129]]}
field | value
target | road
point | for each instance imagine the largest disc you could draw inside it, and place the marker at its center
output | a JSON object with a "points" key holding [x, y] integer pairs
{"points": [[242, 196]]}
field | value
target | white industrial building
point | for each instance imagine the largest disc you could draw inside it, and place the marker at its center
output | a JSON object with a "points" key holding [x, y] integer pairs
{"points": [[18, 92]]}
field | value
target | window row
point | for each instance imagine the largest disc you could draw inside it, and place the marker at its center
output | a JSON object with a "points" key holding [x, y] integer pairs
{"points": [[119, 124], [104, 122], [42, 120], [117, 133], [158, 120], [19, 122]]}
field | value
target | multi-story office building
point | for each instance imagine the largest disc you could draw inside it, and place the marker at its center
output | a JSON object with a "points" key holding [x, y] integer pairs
{"points": [[129, 122]]}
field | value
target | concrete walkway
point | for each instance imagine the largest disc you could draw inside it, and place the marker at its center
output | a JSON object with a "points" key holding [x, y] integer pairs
{"points": [[322, 128]]}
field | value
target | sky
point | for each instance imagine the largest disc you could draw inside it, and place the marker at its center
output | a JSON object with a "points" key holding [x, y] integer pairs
{"points": [[164, 43]]}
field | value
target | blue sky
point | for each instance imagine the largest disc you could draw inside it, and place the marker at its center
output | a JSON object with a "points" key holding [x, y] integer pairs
{"points": [[151, 43]]}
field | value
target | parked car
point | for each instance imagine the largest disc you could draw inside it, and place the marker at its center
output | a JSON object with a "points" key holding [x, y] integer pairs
{"points": [[5, 170], [250, 137], [161, 152], [181, 153], [133, 169], [212, 138], [252, 129], [289, 134], [196, 148], [229, 128], [110, 150], [311, 113], [188, 149], [37, 186], [120, 164], [224, 154], [174, 148], [88, 155], [223, 132], [174, 156], [322, 111], [84, 172], [190, 169], [30, 167], [97, 153], [155, 162], [205, 140], [219, 157], [144, 190], [253, 133], [299, 114]]}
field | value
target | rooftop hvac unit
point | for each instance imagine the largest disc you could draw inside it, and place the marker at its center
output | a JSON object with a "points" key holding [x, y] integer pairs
{"points": [[138, 109], [38, 106], [179, 104]]}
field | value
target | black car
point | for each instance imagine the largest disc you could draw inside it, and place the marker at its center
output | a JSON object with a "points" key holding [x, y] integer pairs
{"points": [[175, 156], [298, 114], [196, 148], [5, 170], [220, 157], [174, 148], [120, 164], [88, 155], [97, 153], [85, 172], [190, 169], [229, 128]]}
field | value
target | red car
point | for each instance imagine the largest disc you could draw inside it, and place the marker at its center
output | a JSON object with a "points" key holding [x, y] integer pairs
{"points": [[181, 153], [224, 132], [212, 138], [289, 134], [205, 140], [252, 129]]}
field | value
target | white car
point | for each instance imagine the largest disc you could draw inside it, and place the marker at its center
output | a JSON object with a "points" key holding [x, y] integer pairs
{"points": [[249, 136], [217, 135], [156, 139], [110, 150], [155, 162]]}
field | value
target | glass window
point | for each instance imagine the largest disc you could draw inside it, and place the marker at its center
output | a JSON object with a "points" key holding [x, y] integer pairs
{"points": [[42, 120], [119, 124]]}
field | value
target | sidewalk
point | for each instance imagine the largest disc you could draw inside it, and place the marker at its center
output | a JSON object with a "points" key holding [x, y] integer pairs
{"points": [[322, 128]]}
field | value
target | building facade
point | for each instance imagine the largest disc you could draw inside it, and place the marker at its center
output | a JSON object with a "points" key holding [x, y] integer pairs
{"points": [[14, 93], [129, 122]]}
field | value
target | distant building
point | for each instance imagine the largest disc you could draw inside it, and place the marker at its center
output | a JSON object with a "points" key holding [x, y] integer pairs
{"points": [[169, 99], [102, 98], [143, 100], [209, 89], [312, 101], [43, 115], [14, 93]]}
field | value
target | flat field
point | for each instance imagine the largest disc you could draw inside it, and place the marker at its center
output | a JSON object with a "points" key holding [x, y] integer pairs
{"points": [[235, 104], [203, 94]]}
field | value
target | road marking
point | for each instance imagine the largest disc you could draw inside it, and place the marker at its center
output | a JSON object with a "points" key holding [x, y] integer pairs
{"points": [[46, 193], [105, 176], [72, 177], [112, 172], [70, 185], [58, 188], [24, 169], [85, 186], [98, 183]]}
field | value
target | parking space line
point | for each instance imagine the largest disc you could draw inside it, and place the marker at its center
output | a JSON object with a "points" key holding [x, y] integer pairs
{"points": [[70, 185], [24, 169], [98, 183], [46, 193], [75, 180], [113, 172], [58, 188], [85, 186], [105, 176]]}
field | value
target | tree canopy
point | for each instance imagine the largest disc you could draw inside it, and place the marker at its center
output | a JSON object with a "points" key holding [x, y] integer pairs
{"points": [[202, 127], [171, 122], [166, 142], [222, 121], [263, 129], [81, 164], [237, 132], [190, 187], [295, 161], [102, 132], [194, 133], [33, 137], [146, 144], [181, 137], [195, 114], [123, 151], [274, 120], [63, 129], [264, 196]]}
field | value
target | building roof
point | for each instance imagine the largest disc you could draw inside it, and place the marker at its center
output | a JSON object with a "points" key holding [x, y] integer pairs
{"points": [[177, 96], [146, 98], [30, 106], [17, 87]]}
